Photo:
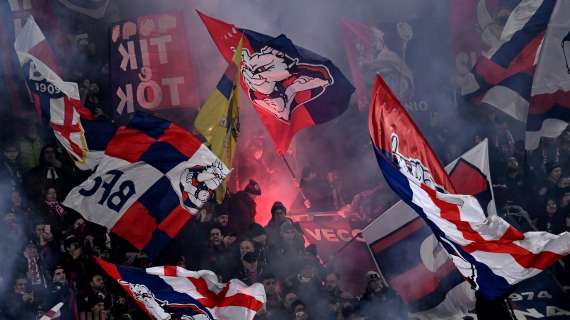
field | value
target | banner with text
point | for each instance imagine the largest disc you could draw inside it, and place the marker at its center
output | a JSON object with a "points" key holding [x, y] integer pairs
{"points": [[151, 66]]}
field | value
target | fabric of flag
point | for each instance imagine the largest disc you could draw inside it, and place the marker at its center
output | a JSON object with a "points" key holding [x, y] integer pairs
{"points": [[549, 110], [56, 101], [290, 87], [152, 178], [170, 292], [503, 77], [488, 251], [367, 54], [425, 276], [94, 8], [218, 119], [53, 313]]}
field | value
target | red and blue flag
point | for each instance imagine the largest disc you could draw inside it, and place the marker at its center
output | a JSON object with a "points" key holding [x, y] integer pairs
{"points": [[170, 292], [290, 87], [487, 250], [152, 178]]}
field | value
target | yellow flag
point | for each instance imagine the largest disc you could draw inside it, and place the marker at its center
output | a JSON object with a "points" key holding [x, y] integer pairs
{"points": [[218, 119]]}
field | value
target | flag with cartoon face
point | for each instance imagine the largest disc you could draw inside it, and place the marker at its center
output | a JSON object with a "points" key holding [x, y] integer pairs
{"points": [[290, 87], [152, 178]]}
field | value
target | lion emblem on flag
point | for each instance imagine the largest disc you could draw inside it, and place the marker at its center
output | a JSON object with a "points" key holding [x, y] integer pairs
{"points": [[198, 183], [278, 83]]}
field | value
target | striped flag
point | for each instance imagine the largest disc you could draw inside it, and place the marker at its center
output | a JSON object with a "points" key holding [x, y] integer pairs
{"points": [[488, 251], [425, 277], [549, 111], [218, 119], [176, 293], [503, 77]]}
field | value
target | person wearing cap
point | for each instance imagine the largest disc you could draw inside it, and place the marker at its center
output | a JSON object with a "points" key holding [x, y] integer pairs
{"points": [[278, 217], [242, 207], [379, 301]]}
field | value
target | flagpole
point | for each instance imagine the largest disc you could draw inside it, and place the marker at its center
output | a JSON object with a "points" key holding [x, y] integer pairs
{"points": [[296, 182]]}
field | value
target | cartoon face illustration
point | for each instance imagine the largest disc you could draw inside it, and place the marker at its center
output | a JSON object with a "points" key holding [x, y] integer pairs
{"points": [[198, 183], [164, 310], [276, 80]]}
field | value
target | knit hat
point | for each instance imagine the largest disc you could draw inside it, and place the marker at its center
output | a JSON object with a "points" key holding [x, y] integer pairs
{"points": [[278, 205], [253, 188]]}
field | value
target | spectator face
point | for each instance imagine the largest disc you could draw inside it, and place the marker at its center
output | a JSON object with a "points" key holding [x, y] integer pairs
{"points": [[223, 220], [512, 163], [11, 153], [16, 199], [564, 182], [245, 246], [565, 200], [551, 206], [279, 215], [299, 308], [43, 231], [270, 285], [331, 282], [59, 276], [21, 285], [51, 195], [229, 240], [79, 224], [216, 237], [555, 174], [97, 282], [288, 235], [31, 251], [50, 155]]}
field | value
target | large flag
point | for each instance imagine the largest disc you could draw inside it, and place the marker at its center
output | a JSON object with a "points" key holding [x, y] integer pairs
{"points": [[290, 87], [152, 178], [218, 119], [176, 293], [57, 102], [549, 111], [503, 77], [488, 251], [425, 277]]}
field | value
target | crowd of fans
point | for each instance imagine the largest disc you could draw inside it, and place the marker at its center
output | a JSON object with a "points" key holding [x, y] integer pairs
{"points": [[48, 250]]}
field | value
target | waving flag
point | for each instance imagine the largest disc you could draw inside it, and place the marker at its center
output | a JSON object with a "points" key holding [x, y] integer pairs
{"points": [[549, 111], [152, 178], [57, 102], [53, 313], [503, 77], [176, 293], [218, 119], [290, 87], [425, 277], [488, 251]]}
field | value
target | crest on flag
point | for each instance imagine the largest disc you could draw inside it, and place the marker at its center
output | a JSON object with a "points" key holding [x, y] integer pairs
{"points": [[279, 83], [152, 178]]}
